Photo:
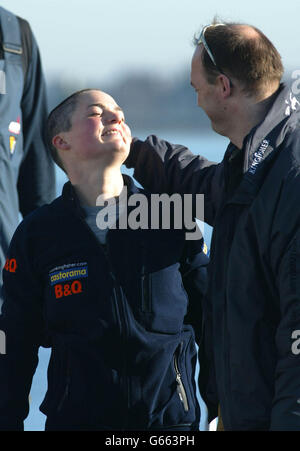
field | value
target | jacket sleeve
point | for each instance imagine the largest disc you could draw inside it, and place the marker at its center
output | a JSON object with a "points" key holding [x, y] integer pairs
{"points": [[36, 183], [160, 166], [22, 326], [285, 262], [194, 278]]}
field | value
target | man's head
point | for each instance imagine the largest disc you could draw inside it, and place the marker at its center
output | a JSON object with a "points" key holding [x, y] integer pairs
{"points": [[243, 53], [88, 126], [233, 63]]}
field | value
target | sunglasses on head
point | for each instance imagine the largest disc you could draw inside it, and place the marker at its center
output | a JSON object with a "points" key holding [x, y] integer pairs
{"points": [[202, 40]]}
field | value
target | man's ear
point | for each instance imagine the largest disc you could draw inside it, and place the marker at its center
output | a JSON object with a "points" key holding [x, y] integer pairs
{"points": [[224, 85], [60, 143]]}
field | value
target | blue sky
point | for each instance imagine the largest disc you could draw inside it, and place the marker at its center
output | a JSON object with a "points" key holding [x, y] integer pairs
{"points": [[84, 39]]}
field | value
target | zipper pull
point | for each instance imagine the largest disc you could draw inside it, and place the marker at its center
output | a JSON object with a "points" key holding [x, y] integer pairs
{"points": [[180, 387], [181, 393]]}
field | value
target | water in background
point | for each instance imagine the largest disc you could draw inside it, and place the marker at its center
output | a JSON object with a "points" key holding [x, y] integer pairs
{"points": [[211, 146]]}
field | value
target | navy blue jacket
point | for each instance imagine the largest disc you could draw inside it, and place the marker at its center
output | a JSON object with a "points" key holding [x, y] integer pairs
{"points": [[252, 200], [117, 317]]}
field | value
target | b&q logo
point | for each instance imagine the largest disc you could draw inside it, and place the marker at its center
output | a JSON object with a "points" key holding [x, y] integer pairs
{"points": [[67, 289], [69, 273], [10, 265]]}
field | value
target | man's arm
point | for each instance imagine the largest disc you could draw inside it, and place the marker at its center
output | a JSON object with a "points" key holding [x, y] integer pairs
{"points": [[286, 402], [162, 167], [36, 183], [193, 270], [21, 325], [285, 264]]}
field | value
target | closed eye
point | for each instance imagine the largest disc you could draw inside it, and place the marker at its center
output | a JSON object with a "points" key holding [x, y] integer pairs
{"points": [[96, 114]]}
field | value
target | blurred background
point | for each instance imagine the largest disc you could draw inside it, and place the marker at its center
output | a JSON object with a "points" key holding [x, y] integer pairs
{"points": [[139, 52]]}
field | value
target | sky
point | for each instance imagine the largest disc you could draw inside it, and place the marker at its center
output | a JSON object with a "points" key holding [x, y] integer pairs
{"points": [[88, 39]]}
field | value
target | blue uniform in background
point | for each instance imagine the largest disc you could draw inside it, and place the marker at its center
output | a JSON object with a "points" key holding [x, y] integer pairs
{"points": [[27, 178]]}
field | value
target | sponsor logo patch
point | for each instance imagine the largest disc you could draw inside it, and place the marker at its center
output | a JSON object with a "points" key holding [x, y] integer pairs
{"points": [[67, 289], [68, 272], [258, 156], [10, 265]]}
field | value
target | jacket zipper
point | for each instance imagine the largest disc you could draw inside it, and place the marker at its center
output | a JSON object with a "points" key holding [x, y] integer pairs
{"points": [[180, 386], [118, 302], [226, 385], [124, 330]]}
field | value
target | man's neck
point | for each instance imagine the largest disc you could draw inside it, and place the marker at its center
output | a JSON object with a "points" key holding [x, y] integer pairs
{"points": [[107, 182], [250, 114]]}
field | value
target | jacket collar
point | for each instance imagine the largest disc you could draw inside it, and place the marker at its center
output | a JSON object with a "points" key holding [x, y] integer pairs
{"points": [[260, 146], [271, 131], [70, 198]]}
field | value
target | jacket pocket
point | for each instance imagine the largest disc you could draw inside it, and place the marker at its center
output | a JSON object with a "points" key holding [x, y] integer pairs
{"points": [[182, 393], [58, 382], [163, 302]]}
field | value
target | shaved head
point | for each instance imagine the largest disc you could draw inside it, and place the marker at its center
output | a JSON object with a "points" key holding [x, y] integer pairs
{"points": [[60, 120]]}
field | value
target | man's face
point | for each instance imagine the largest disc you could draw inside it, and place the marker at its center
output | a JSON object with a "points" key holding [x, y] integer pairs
{"points": [[98, 128], [206, 92]]}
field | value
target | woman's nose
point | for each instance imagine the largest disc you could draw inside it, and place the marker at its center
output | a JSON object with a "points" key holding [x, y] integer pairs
{"points": [[113, 116]]}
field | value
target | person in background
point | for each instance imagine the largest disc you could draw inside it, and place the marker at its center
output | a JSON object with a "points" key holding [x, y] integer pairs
{"points": [[252, 203], [121, 307], [27, 178]]}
